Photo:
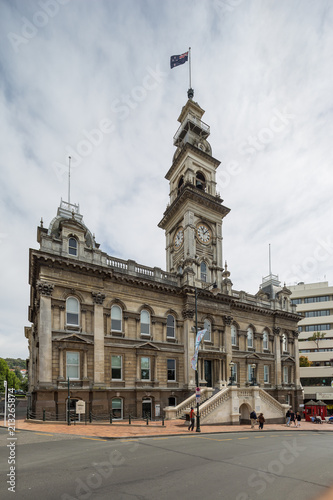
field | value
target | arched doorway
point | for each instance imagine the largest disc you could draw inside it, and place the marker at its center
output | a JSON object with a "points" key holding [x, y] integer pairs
{"points": [[146, 408], [244, 414]]}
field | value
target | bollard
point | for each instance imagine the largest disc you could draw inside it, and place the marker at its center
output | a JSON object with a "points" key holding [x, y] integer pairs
{"points": [[43, 415], [110, 418], [147, 420], [129, 419], [162, 421], [90, 417]]}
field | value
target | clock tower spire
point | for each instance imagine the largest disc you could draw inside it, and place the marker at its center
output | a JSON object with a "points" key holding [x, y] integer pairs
{"points": [[193, 218]]}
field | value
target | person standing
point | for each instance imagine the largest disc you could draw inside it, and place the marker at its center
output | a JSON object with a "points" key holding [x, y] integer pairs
{"points": [[261, 419], [192, 415], [253, 417], [298, 418], [288, 418], [292, 417]]}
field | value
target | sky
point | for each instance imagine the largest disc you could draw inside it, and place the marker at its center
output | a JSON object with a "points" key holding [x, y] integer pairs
{"points": [[92, 80]]}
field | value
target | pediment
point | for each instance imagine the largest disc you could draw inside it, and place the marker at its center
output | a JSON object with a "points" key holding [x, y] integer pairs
{"points": [[73, 338], [252, 355], [287, 358], [147, 345]]}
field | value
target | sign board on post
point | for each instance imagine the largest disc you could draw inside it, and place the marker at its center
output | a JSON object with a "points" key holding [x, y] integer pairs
{"points": [[157, 410], [80, 407], [197, 394]]}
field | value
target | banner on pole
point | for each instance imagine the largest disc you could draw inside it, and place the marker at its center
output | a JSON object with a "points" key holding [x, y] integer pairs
{"points": [[199, 337]]}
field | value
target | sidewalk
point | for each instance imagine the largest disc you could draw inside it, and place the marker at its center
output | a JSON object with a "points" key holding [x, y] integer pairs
{"points": [[154, 429]]}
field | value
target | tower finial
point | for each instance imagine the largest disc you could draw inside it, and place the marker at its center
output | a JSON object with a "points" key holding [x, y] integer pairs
{"points": [[190, 93]]}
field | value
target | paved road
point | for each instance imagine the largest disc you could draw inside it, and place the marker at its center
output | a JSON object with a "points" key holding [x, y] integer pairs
{"points": [[233, 466]]}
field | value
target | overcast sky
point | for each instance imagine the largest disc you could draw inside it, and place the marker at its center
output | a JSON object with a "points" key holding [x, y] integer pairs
{"points": [[262, 71]]}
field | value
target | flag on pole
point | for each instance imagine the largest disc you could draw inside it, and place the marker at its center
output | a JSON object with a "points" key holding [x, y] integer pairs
{"points": [[177, 60], [200, 336]]}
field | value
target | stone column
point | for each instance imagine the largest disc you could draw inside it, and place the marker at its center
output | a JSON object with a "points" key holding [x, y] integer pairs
{"points": [[278, 371], [99, 370], [297, 367], [227, 344], [61, 363], [45, 334], [189, 339]]}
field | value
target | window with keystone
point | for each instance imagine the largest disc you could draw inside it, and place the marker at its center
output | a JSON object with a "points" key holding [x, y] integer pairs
{"points": [[250, 337], [72, 246], [116, 319], [72, 311], [208, 327], [170, 326], [145, 322], [145, 368]]}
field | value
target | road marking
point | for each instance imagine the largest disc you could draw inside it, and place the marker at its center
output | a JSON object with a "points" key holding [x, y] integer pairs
{"points": [[156, 439], [258, 437], [43, 434], [128, 440], [245, 438], [93, 439]]}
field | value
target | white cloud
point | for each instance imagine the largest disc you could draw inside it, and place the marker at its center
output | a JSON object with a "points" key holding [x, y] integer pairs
{"points": [[90, 61]]}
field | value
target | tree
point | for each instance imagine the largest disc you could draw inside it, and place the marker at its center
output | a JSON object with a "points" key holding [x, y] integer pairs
{"points": [[304, 361], [316, 337], [6, 374]]}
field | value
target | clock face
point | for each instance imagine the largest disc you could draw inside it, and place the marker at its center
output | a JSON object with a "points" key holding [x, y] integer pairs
{"points": [[203, 233], [179, 238]]}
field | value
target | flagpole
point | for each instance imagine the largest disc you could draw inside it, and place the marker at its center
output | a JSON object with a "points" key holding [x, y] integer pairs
{"points": [[189, 66]]}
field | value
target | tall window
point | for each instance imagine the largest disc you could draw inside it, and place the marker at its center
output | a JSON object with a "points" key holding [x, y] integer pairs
{"points": [[171, 365], [249, 337], [72, 246], [208, 327], [145, 368], [234, 372], [116, 319], [117, 408], [145, 322], [285, 375], [200, 181], [284, 343], [72, 365], [72, 311], [116, 367], [233, 335], [203, 271], [170, 326], [250, 372], [265, 340], [266, 374]]}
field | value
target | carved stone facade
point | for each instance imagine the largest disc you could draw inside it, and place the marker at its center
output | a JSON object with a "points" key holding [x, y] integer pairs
{"points": [[122, 335]]}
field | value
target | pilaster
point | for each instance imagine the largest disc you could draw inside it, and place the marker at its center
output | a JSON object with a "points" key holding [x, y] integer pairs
{"points": [[99, 370], [45, 334]]}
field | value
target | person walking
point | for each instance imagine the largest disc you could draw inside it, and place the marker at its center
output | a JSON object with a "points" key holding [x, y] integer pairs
{"points": [[261, 419], [253, 417], [288, 418], [192, 415], [292, 417], [298, 418]]}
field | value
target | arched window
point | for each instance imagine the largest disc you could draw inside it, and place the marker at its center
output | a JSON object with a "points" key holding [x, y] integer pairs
{"points": [[170, 326], [145, 322], [117, 408], [265, 340], [72, 246], [233, 335], [284, 343], [72, 311], [207, 326], [116, 319], [249, 337], [203, 271], [180, 184], [200, 181]]}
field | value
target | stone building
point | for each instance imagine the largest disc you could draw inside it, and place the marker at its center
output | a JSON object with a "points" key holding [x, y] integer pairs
{"points": [[121, 336]]}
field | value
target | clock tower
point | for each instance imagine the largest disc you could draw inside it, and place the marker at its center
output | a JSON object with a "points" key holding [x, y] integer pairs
{"points": [[193, 218]]}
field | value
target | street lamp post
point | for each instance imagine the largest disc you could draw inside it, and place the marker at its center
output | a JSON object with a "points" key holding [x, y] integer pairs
{"points": [[213, 285]]}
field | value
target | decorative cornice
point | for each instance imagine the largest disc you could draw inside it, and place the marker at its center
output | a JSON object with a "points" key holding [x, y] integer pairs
{"points": [[276, 330], [227, 320], [188, 313]]}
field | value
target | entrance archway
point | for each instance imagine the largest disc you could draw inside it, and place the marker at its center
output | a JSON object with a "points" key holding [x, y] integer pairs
{"points": [[244, 414], [146, 408]]}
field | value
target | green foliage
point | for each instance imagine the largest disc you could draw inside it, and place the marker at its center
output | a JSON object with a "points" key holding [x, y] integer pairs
{"points": [[16, 363], [304, 361], [316, 337], [6, 374]]}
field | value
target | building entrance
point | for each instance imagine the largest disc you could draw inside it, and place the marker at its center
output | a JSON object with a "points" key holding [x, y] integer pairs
{"points": [[146, 408]]}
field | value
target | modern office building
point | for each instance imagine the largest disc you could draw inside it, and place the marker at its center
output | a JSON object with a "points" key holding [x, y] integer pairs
{"points": [[315, 302], [121, 336]]}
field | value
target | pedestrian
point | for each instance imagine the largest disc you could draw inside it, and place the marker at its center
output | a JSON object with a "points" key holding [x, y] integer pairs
{"points": [[192, 414], [292, 417], [253, 417], [298, 418], [261, 419], [288, 418]]}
